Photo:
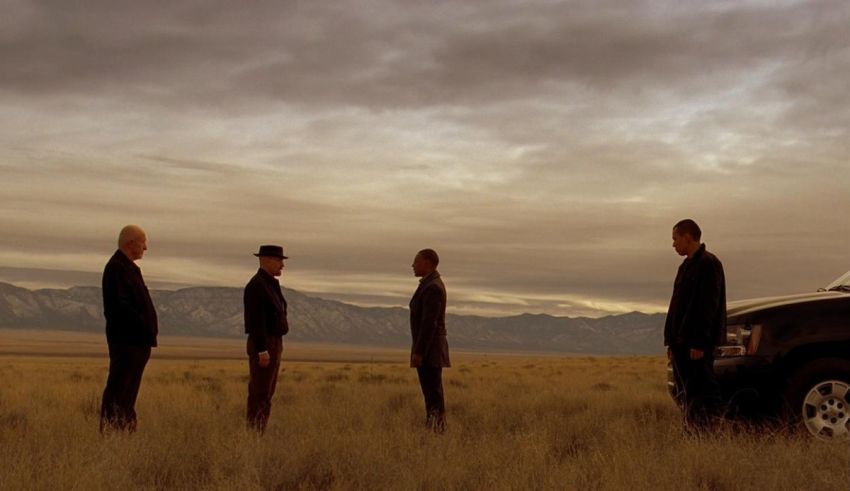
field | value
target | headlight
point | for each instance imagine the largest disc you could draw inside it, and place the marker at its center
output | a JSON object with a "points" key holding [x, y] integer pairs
{"points": [[741, 340]]}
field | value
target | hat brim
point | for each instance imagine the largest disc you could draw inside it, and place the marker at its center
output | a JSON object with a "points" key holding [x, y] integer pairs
{"points": [[271, 255]]}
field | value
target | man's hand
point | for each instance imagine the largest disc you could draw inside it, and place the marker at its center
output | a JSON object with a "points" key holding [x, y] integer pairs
{"points": [[697, 354], [415, 360], [265, 359], [669, 354]]}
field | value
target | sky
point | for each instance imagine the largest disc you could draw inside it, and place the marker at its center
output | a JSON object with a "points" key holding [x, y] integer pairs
{"points": [[544, 148]]}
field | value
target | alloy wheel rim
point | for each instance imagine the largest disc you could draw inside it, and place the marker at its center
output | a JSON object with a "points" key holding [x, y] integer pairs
{"points": [[826, 412]]}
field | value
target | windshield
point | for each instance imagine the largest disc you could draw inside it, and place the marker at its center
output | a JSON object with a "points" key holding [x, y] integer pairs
{"points": [[842, 283]]}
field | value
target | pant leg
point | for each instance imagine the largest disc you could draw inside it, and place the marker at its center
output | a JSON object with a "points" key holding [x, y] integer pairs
{"points": [[275, 355], [706, 402], [256, 394], [138, 357], [438, 397], [423, 386], [275, 352], [702, 394], [431, 382], [110, 411], [126, 366], [261, 383]]}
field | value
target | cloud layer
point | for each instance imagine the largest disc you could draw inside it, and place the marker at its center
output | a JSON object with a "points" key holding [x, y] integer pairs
{"points": [[544, 148]]}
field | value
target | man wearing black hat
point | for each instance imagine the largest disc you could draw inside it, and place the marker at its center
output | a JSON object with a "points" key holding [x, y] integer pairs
{"points": [[265, 325]]}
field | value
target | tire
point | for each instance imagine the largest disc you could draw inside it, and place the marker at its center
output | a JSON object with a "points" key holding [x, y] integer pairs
{"points": [[817, 399]]}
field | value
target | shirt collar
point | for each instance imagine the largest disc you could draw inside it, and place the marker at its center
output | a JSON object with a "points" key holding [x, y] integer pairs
{"points": [[696, 255], [123, 257], [265, 275], [430, 276]]}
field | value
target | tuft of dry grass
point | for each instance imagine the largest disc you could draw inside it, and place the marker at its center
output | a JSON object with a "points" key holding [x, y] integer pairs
{"points": [[515, 422]]}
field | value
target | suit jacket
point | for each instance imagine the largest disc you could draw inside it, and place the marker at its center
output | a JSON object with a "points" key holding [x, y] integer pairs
{"points": [[127, 306], [265, 309], [696, 318], [428, 322]]}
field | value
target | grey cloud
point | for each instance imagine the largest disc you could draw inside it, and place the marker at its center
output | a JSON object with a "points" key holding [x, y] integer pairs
{"points": [[508, 51], [201, 166], [58, 278], [381, 54], [545, 148]]}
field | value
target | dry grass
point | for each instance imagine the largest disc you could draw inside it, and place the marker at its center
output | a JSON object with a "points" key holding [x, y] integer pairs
{"points": [[515, 422]]}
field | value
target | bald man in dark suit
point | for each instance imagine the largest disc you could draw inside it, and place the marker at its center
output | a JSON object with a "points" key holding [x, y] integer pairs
{"points": [[131, 330]]}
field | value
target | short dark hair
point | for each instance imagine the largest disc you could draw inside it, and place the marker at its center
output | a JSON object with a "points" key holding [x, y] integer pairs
{"points": [[429, 255], [690, 227]]}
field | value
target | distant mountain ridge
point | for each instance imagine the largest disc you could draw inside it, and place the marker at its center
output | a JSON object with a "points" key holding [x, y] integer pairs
{"points": [[217, 312]]}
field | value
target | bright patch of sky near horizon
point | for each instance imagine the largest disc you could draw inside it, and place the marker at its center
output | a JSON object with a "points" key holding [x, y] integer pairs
{"points": [[543, 148]]}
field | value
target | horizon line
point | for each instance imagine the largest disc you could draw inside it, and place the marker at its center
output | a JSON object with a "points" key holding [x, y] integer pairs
{"points": [[315, 295]]}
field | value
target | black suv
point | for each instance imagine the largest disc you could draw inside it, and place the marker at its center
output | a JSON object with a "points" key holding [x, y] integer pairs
{"points": [[789, 357]]}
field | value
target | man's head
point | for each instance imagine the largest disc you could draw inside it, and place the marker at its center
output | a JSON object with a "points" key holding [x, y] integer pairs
{"points": [[686, 237], [133, 242], [425, 262], [271, 259]]}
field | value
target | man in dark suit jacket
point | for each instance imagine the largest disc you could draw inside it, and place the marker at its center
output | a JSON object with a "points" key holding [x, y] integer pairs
{"points": [[265, 325], [696, 323], [429, 351], [131, 330]]}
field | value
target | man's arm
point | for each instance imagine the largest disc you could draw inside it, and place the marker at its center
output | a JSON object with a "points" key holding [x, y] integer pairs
{"points": [[432, 305], [704, 307], [255, 324], [118, 299], [672, 311]]}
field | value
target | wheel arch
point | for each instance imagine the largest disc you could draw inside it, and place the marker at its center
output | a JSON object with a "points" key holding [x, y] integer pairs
{"points": [[801, 356]]}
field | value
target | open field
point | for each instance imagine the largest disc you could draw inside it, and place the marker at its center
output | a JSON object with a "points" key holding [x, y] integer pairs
{"points": [[89, 345], [515, 422]]}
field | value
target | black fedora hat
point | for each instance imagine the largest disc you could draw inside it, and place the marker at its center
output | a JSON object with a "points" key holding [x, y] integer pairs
{"points": [[271, 251]]}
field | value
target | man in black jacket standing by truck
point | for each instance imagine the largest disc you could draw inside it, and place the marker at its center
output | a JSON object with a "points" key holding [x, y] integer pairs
{"points": [[131, 330], [696, 323], [265, 325]]}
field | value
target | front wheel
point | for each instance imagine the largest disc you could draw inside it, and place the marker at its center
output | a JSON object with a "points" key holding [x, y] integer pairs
{"points": [[818, 399]]}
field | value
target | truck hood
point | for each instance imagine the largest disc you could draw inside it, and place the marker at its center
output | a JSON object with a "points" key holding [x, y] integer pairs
{"points": [[739, 307]]}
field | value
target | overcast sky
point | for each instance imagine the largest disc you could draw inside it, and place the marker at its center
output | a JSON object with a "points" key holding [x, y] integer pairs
{"points": [[543, 148]]}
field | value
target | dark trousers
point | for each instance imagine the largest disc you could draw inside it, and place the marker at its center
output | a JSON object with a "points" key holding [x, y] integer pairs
{"points": [[701, 391], [126, 365], [431, 381], [262, 382]]}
